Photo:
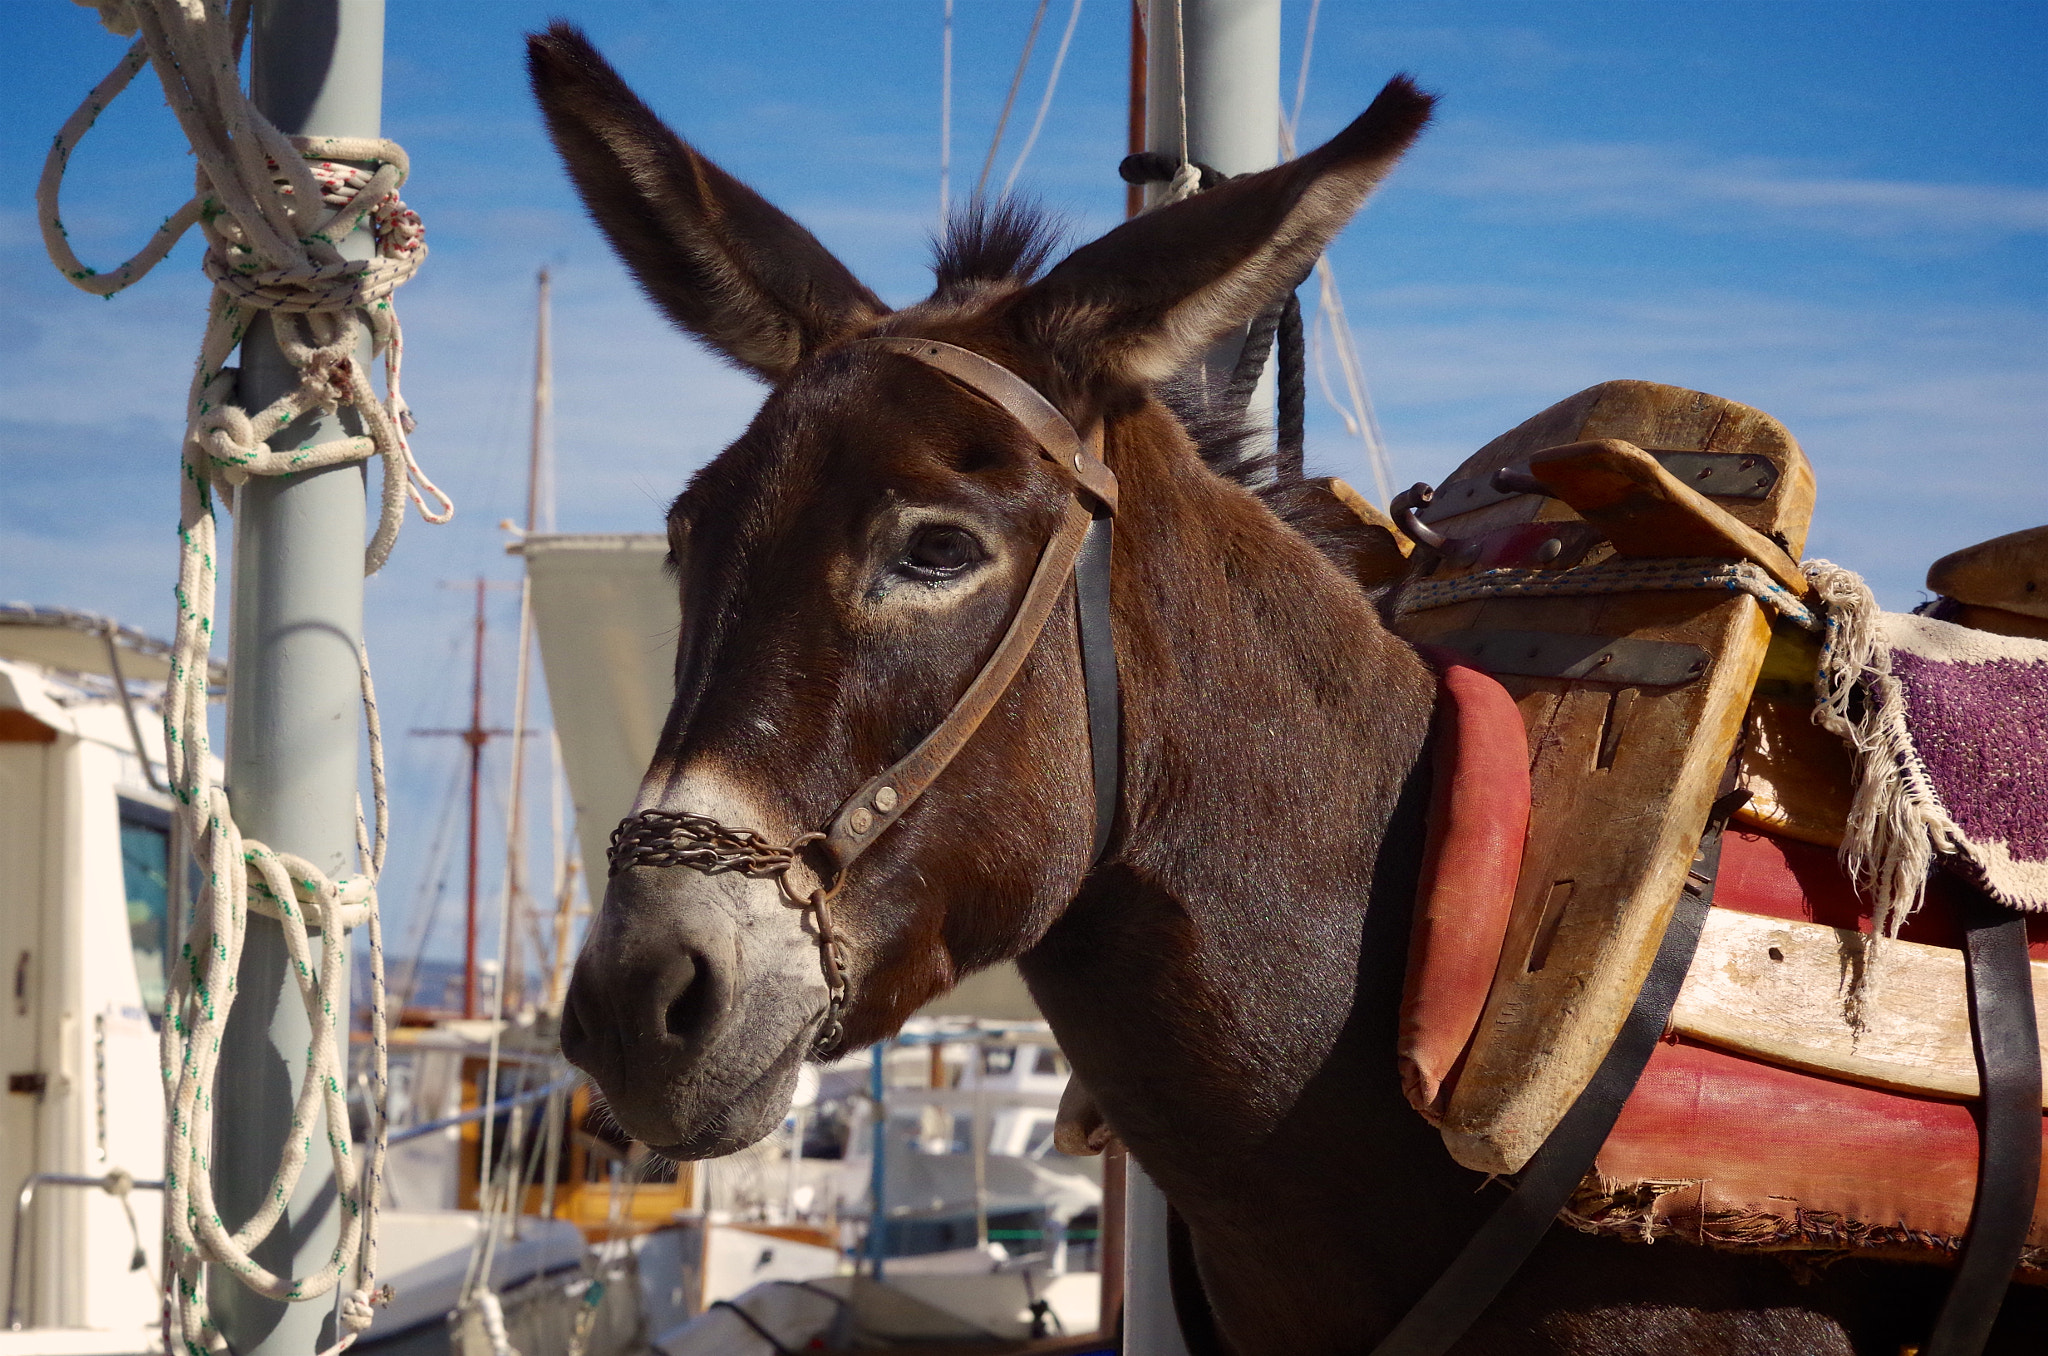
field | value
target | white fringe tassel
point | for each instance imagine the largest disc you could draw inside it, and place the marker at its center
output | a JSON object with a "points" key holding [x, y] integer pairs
{"points": [[1896, 821]]}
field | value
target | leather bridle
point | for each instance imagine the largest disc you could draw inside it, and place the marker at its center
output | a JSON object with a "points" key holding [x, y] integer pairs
{"points": [[1078, 551]]}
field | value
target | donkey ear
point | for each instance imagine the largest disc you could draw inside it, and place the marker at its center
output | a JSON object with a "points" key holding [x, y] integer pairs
{"points": [[717, 257], [1146, 298]]}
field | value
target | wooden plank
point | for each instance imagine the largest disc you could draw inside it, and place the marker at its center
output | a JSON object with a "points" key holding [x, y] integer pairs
{"points": [[1622, 777], [2009, 573], [1798, 775], [1999, 622], [1775, 989]]}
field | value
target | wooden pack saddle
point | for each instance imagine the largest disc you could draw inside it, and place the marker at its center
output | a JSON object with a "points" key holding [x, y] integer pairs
{"points": [[1612, 593]]}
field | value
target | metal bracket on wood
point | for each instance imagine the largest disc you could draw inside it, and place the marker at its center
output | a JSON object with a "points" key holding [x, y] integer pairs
{"points": [[1599, 659], [1721, 475]]}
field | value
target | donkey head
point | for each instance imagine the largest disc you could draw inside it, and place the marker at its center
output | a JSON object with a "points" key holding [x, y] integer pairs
{"points": [[849, 563]]}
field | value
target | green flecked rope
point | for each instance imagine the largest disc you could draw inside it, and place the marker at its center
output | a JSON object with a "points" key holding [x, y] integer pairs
{"points": [[272, 210]]}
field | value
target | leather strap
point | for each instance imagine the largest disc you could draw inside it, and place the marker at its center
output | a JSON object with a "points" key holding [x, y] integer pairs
{"points": [[1493, 1255], [1098, 675], [2008, 1047], [882, 799], [1084, 531], [1020, 400]]}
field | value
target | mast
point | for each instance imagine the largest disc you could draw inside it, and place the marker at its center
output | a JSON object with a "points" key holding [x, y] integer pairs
{"points": [[294, 705], [1212, 95], [1134, 194], [476, 736], [511, 973], [1216, 62]]}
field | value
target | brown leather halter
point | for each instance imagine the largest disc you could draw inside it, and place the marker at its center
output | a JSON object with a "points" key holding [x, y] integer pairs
{"points": [[1079, 550]]}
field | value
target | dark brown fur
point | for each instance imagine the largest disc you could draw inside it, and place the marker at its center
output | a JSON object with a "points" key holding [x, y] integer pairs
{"points": [[1226, 983]]}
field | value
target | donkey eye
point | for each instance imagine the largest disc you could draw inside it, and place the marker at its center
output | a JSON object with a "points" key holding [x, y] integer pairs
{"points": [[939, 552]]}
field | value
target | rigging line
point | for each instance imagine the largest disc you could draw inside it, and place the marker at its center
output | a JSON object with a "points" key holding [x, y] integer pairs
{"points": [[435, 876], [1180, 71], [946, 120], [1052, 83], [1360, 420], [1317, 357], [1308, 49], [1330, 303], [1010, 100]]}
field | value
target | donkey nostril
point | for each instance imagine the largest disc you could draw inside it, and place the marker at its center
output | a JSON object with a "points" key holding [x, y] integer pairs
{"points": [[684, 1016], [577, 1046]]}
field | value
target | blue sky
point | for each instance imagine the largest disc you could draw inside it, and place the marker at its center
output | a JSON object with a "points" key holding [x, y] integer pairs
{"points": [[1832, 211]]}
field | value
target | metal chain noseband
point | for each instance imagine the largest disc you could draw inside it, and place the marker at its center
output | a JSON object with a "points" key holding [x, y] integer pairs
{"points": [[659, 838]]}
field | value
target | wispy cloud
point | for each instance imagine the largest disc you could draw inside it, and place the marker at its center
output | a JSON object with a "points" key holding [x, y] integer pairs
{"points": [[1693, 187]]}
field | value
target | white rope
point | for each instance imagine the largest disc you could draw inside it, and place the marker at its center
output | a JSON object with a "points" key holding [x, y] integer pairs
{"points": [[1187, 179], [1292, 128], [1010, 100], [946, 119], [273, 210], [1360, 419], [1052, 84]]}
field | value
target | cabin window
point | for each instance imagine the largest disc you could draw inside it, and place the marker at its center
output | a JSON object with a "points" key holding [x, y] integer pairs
{"points": [[1048, 1062], [146, 875], [999, 1059]]}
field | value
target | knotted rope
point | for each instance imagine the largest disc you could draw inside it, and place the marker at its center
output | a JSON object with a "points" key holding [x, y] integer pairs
{"points": [[273, 210]]}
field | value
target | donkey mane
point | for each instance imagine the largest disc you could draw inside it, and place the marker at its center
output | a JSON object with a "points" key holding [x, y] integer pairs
{"points": [[1004, 241]]}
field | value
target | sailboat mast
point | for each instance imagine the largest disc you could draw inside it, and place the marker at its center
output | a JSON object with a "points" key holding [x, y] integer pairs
{"points": [[475, 736], [543, 404], [294, 711], [512, 972], [1212, 96]]}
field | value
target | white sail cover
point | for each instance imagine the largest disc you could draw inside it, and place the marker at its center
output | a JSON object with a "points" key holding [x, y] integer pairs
{"points": [[606, 615]]}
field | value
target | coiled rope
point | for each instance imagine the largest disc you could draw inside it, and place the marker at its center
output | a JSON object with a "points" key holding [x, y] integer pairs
{"points": [[273, 210]]}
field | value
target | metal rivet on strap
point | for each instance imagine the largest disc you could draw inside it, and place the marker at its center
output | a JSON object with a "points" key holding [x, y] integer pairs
{"points": [[885, 799], [860, 820]]}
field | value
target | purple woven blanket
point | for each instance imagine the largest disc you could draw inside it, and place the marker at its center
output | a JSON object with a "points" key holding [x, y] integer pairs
{"points": [[1977, 711]]}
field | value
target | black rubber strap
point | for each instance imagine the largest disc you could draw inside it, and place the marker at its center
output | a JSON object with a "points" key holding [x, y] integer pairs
{"points": [[1492, 1256], [1098, 675], [2009, 1161]]}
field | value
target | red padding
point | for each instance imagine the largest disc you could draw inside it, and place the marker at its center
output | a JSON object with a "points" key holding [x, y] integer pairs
{"points": [[1761, 1140], [1780, 878], [1478, 824]]}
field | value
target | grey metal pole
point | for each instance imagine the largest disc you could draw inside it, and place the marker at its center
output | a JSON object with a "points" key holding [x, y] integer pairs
{"points": [[1219, 60], [878, 1166], [1151, 1323], [1229, 53], [294, 703]]}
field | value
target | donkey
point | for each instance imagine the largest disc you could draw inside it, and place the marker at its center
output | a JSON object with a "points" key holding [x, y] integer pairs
{"points": [[1226, 978]]}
